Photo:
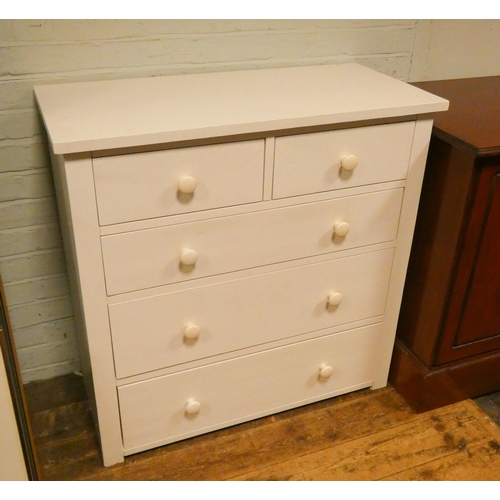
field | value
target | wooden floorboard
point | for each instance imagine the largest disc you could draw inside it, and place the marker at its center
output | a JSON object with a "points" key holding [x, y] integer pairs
{"points": [[385, 452], [364, 436]]}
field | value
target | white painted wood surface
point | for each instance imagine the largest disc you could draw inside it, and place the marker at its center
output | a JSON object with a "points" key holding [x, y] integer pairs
{"points": [[149, 258], [311, 163], [246, 312], [247, 387], [78, 211], [111, 264], [138, 112], [145, 185]]}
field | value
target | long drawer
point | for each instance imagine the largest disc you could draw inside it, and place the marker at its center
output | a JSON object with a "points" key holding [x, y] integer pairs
{"points": [[311, 163], [173, 328], [184, 404], [154, 184], [152, 257]]}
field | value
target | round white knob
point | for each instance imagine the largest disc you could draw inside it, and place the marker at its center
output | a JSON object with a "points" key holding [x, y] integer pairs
{"points": [[187, 184], [192, 331], [341, 228], [193, 406], [335, 298], [189, 257], [325, 371], [349, 162]]}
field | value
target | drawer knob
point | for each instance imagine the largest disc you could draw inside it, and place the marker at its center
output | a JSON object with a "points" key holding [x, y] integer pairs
{"points": [[192, 331], [189, 257], [325, 371], [349, 162], [187, 184], [335, 298], [193, 406], [341, 228]]}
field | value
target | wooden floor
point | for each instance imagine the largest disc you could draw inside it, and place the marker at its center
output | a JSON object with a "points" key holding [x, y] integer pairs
{"points": [[368, 435]]}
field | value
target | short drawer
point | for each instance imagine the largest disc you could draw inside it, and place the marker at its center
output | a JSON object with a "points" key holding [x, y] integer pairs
{"points": [[154, 257], [173, 328], [311, 163], [159, 183], [184, 404]]}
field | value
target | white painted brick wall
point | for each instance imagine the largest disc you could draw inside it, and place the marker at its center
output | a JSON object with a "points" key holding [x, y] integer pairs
{"points": [[50, 51]]}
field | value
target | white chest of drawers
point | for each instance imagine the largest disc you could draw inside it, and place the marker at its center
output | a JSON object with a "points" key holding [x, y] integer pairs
{"points": [[237, 242]]}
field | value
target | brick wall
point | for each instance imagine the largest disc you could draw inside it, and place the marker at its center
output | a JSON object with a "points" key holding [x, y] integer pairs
{"points": [[35, 52]]}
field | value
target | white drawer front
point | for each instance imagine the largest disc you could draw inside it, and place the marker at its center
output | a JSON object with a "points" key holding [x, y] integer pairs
{"points": [[311, 163], [151, 257], [154, 412], [146, 185], [150, 333]]}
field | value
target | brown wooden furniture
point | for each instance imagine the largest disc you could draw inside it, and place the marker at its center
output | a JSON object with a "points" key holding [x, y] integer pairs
{"points": [[448, 337]]}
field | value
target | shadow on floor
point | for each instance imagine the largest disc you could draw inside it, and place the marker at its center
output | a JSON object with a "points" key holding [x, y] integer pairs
{"points": [[490, 404]]}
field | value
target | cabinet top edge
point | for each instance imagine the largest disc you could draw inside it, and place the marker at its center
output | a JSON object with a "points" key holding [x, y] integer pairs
{"points": [[108, 114], [472, 119]]}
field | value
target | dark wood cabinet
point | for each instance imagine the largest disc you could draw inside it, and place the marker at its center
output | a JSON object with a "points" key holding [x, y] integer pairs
{"points": [[448, 338]]}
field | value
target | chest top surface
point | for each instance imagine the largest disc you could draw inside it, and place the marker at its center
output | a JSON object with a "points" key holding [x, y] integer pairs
{"points": [[474, 112], [111, 114]]}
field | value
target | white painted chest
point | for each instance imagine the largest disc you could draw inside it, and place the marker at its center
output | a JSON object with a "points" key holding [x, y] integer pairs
{"points": [[237, 242]]}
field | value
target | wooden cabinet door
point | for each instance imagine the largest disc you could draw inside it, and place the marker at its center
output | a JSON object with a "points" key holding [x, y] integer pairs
{"points": [[472, 325]]}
